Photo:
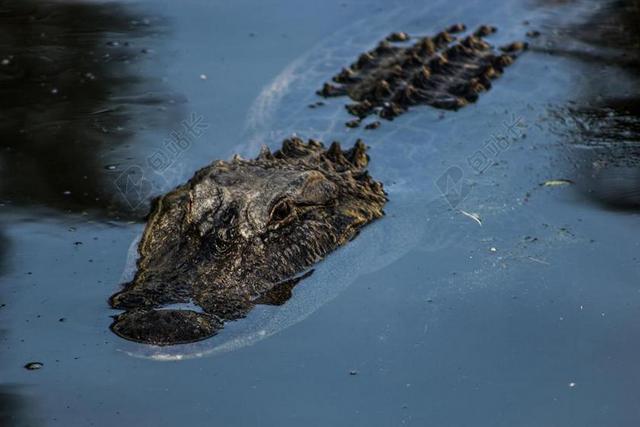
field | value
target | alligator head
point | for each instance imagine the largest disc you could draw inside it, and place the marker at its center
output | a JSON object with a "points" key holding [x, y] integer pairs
{"points": [[241, 233]]}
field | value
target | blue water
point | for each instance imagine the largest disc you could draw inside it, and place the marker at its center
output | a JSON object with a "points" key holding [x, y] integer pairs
{"points": [[508, 304]]}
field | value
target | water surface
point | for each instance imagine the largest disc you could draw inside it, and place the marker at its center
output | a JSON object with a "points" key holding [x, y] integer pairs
{"points": [[427, 317]]}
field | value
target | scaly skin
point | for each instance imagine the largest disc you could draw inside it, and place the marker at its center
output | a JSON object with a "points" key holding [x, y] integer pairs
{"points": [[238, 233], [440, 71]]}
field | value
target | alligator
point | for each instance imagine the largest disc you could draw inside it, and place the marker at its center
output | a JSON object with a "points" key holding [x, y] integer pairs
{"points": [[443, 71], [241, 233]]}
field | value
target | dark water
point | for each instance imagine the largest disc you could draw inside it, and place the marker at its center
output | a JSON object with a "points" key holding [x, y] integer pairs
{"points": [[428, 317], [603, 122]]}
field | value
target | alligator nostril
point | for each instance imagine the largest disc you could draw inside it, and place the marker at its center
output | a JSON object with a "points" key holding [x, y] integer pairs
{"points": [[126, 299]]}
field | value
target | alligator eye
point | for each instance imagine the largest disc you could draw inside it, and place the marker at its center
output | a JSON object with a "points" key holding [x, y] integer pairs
{"points": [[281, 211]]}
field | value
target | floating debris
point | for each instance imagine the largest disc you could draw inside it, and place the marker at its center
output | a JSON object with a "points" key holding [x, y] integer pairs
{"points": [[474, 216], [556, 182], [539, 261], [203, 77], [33, 366]]}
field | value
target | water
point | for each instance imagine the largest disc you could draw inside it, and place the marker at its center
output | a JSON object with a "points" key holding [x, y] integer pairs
{"points": [[526, 319]]}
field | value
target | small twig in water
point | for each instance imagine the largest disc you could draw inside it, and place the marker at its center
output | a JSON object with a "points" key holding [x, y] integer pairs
{"points": [[538, 260], [473, 216]]}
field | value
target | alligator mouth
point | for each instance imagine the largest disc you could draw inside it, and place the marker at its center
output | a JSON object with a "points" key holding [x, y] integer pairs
{"points": [[295, 280], [282, 291], [182, 325]]}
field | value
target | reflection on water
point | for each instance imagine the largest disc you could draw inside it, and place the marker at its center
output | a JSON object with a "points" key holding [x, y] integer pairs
{"points": [[604, 123], [73, 88], [4, 253], [78, 84], [609, 158], [608, 37], [615, 26], [14, 408]]}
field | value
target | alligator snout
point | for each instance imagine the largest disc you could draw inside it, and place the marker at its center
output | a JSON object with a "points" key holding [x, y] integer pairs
{"points": [[164, 326]]}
